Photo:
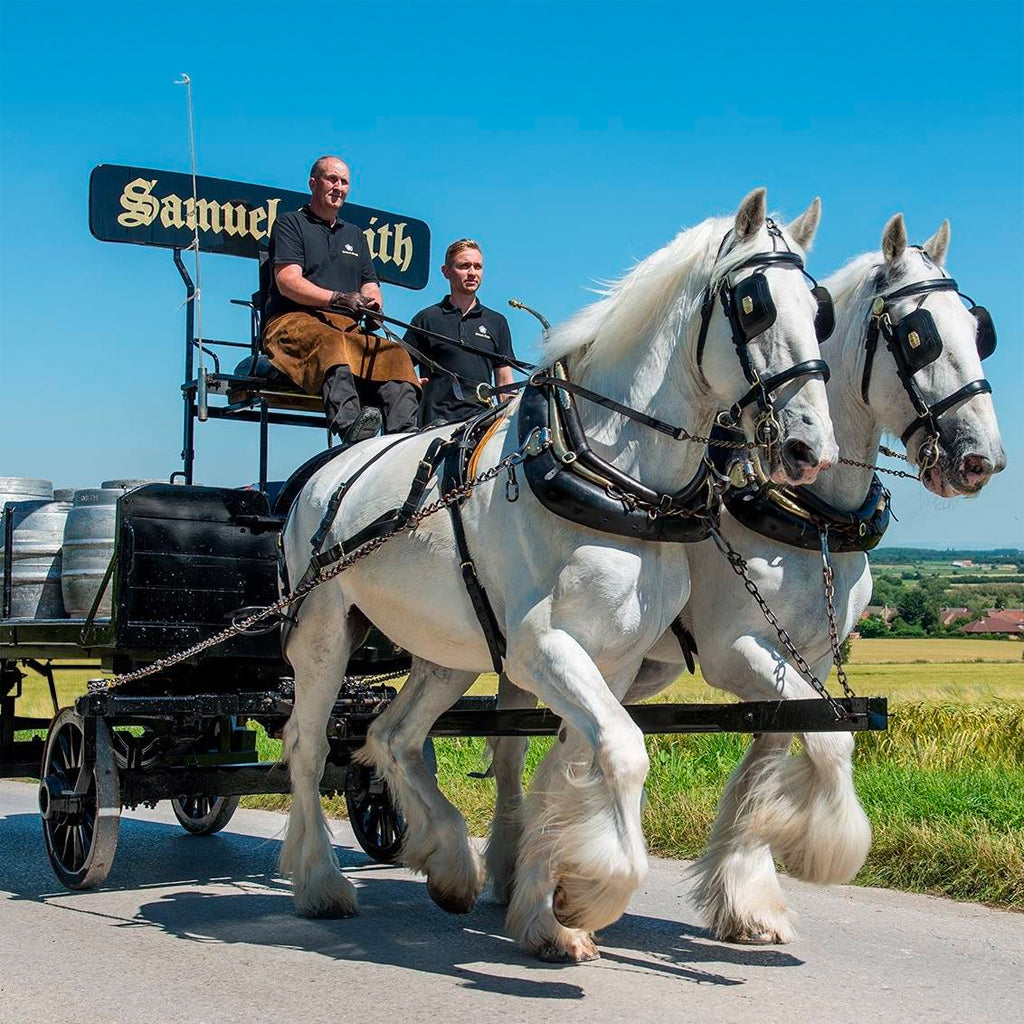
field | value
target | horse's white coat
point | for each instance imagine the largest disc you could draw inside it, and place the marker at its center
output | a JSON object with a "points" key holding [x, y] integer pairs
{"points": [[579, 609], [803, 810]]}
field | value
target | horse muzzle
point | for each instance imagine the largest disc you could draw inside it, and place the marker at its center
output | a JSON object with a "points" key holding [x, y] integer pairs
{"points": [[796, 463], [951, 477]]}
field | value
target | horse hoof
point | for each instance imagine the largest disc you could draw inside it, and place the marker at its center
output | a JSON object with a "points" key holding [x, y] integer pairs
{"points": [[451, 902], [579, 951], [754, 938]]}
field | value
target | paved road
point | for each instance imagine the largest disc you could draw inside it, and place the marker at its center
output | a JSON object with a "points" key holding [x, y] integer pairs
{"points": [[201, 930]]}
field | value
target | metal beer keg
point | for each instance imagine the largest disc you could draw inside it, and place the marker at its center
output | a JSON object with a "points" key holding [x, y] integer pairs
{"points": [[24, 488], [36, 538], [88, 548]]}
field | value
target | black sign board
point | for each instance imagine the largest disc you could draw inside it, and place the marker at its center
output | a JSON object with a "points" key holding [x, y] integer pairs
{"points": [[146, 207]]}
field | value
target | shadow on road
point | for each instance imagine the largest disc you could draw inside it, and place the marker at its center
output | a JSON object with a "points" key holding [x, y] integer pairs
{"points": [[398, 924]]}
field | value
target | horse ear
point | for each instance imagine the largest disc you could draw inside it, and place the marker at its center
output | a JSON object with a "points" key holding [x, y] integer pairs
{"points": [[751, 214], [805, 226], [894, 238], [938, 244]]}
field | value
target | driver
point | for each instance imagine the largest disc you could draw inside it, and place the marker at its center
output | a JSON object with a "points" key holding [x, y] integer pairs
{"points": [[323, 279]]}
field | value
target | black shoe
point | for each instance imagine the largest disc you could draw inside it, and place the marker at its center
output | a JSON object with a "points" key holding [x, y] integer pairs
{"points": [[364, 426]]}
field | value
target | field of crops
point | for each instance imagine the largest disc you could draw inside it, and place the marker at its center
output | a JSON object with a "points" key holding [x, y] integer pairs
{"points": [[944, 787]]}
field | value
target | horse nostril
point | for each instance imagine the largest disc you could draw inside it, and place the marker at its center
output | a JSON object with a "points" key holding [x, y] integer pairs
{"points": [[975, 467], [799, 454]]}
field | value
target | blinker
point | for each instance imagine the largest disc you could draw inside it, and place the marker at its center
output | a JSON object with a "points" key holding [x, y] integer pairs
{"points": [[986, 336], [918, 340], [825, 317], [753, 304]]}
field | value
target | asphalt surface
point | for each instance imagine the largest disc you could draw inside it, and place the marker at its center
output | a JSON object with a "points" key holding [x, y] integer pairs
{"points": [[202, 930]]}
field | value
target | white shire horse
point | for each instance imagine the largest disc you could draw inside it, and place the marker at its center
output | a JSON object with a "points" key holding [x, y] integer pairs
{"points": [[579, 610], [803, 810]]}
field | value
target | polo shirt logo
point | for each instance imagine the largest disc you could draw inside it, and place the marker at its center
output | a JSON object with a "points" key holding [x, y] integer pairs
{"points": [[348, 247], [482, 330]]}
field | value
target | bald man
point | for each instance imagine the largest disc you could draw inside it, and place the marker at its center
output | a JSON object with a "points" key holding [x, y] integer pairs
{"points": [[323, 280]]}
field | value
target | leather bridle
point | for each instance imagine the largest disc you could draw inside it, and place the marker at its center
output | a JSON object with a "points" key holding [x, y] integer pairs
{"points": [[904, 337], [750, 311]]}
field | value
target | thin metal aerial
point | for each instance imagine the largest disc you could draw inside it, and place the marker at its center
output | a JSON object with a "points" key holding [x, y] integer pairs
{"points": [[186, 81]]}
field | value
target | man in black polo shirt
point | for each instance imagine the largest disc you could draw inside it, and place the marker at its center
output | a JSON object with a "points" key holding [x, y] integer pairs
{"points": [[323, 280], [461, 317]]}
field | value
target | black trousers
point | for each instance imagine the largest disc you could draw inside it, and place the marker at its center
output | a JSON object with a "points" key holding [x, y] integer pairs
{"points": [[345, 394]]}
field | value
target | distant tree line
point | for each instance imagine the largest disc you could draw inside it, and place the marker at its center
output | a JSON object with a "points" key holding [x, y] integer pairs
{"points": [[993, 556]]}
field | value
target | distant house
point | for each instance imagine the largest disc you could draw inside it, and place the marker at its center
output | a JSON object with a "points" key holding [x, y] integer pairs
{"points": [[879, 611], [1004, 620], [947, 616], [965, 563]]}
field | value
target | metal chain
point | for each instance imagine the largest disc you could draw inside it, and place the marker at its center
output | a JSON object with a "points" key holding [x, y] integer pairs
{"points": [[881, 469], [929, 451], [456, 494], [829, 579], [739, 566]]}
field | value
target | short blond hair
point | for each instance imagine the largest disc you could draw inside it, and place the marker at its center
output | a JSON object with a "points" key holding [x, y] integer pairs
{"points": [[455, 248]]}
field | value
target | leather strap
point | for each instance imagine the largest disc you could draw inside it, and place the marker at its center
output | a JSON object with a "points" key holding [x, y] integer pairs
{"points": [[454, 476], [808, 368], [929, 418], [687, 644]]}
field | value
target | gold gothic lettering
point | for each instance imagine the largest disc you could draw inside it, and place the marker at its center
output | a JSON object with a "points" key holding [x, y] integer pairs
{"points": [[170, 213], [141, 208], [389, 243]]}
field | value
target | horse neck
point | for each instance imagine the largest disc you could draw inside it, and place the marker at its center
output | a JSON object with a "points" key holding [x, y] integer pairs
{"points": [[858, 430], [652, 377]]}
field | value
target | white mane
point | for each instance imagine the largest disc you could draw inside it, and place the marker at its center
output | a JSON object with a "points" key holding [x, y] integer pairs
{"points": [[670, 280]]}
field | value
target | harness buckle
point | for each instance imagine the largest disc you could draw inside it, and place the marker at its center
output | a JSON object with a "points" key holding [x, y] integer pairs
{"points": [[538, 441]]}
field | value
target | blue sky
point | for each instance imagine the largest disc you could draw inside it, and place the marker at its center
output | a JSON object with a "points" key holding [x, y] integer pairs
{"points": [[570, 139]]}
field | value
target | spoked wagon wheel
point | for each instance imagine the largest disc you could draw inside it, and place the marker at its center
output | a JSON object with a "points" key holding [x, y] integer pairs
{"points": [[377, 823], [80, 800], [204, 815]]}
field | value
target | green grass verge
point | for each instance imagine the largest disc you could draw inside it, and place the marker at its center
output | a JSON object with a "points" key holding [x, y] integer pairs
{"points": [[944, 790]]}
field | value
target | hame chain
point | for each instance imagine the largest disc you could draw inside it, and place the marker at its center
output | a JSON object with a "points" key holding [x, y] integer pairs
{"points": [[829, 578], [739, 566]]}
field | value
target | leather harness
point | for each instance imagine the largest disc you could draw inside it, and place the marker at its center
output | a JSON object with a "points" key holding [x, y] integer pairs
{"points": [[447, 456]]}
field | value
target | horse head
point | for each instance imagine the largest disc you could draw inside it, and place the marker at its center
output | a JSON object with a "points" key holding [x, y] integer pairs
{"points": [[757, 344], [936, 398]]}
